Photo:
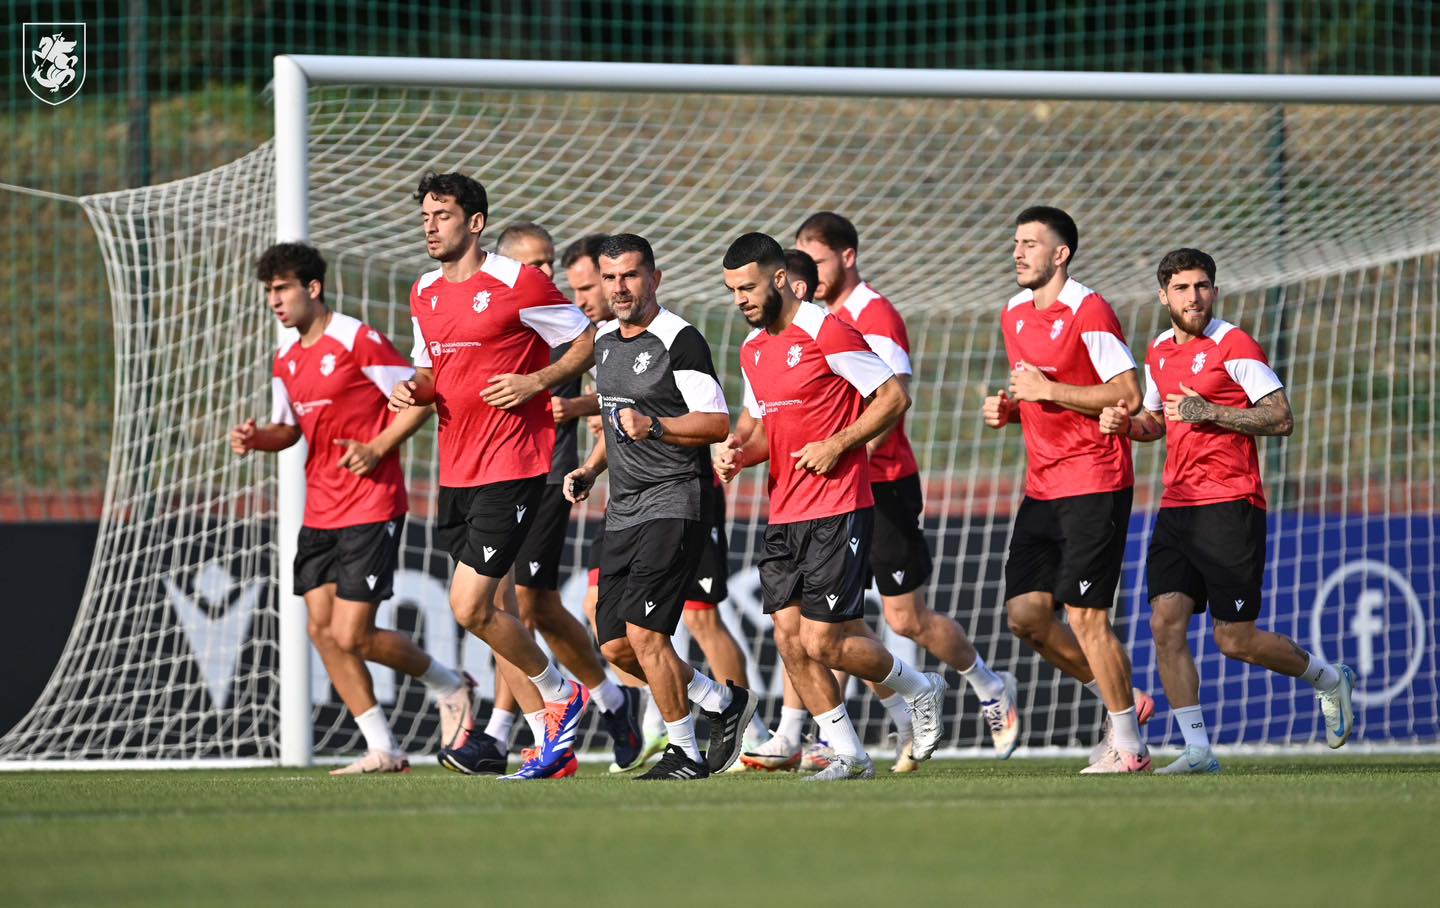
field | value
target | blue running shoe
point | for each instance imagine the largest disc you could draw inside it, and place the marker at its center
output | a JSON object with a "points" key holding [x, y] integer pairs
{"points": [[532, 769], [625, 734], [562, 724], [478, 755]]}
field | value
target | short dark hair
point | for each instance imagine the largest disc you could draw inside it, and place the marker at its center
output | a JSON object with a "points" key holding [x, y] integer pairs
{"points": [[799, 265], [522, 230], [760, 248], [587, 247], [612, 247], [831, 229], [299, 259], [1062, 224], [1185, 259], [466, 191]]}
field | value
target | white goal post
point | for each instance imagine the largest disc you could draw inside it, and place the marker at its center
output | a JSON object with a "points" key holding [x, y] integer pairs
{"points": [[1316, 195]]}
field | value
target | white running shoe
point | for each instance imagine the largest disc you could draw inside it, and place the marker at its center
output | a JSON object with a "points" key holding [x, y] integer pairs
{"points": [[1003, 718], [457, 713], [779, 753], [1335, 706], [1119, 761], [844, 767], [817, 756], [904, 754], [374, 761], [1144, 709], [925, 713], [1194, 759]]}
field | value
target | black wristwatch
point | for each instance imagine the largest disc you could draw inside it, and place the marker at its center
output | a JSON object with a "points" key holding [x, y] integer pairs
{"points": [[657, 431]]}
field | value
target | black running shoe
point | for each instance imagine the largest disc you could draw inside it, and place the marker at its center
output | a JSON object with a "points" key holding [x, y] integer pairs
{"points": [[478, 755], [625, 733], [674, 766], [727, 729]]}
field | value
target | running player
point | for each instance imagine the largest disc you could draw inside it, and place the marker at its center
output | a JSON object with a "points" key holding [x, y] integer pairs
{"points": [[1209, 391], [1070, 361], [484, 325], [330, 381]]}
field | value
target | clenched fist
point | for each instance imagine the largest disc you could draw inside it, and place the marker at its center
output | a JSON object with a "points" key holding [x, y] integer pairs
{"points": [[997, 410]]}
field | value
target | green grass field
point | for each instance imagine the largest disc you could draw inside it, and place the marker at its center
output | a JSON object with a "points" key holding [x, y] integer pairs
{"points": [[1317, 831]]}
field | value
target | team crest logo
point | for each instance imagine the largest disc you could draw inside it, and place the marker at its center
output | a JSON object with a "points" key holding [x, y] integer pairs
{"points": [[327, 364], [642, 362], [1197, 364], [792, 356], [373, 335], [1056, 328], [482, 301], [54, 63], [434, 349], [1019, 326]]}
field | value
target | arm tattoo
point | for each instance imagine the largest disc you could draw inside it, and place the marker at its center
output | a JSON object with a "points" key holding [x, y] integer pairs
{"points": [[1270, 415]]}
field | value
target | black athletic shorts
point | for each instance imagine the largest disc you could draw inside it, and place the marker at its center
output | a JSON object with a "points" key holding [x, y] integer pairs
{"points": [[711, 584], [359, 560], [483, 526], [1072, 548], [537, 565], [824, 563], [644, 572], [1210, 552], [899, 554]]}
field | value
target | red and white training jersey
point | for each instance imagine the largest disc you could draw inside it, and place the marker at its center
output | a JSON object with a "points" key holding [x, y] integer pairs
{"points": [[503, 319], [1204, 463], [1076, 341], [807, 383], [338, 389], [884, 330]]}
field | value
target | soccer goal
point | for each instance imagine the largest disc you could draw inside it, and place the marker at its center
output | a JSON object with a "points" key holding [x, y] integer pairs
{"points": [[1318, 196]]}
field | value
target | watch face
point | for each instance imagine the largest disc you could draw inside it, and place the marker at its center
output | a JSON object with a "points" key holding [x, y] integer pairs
{"points": [[656, 430]]}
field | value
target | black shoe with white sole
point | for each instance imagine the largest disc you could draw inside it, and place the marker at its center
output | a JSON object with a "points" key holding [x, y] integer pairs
{"points": [[675, 766], [727, 729]]}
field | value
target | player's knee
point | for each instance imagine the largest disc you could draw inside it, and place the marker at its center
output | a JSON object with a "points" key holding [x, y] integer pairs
{"points": [[1027, 621], [1089, 622], [355, 641], [1167, 631], [620, 654], [823, 648], [905, 622], [319, 634], [472, 614], [1236, 641], [700, 622]]}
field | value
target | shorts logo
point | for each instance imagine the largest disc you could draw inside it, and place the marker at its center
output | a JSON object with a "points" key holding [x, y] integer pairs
{"points": [[1198, 364], [1239, 604], [519, 513], [373, 335], [370, 580], [534, 568], [854, 545], [714, 534], [792, 356], [706, 583], [482, 301], [899, 576], [1084, 587], [487, 551], [327, 364], [831, 599], [649, 607], [642, 362], [291, 364], [1019, 325], [390, 528], [1056, 328]]}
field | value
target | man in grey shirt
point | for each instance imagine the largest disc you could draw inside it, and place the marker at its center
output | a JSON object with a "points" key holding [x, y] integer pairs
{"points": [[662, 407]]}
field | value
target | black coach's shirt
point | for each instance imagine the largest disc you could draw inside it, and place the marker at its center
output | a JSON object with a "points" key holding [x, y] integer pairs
{"points": [[666, 370]]}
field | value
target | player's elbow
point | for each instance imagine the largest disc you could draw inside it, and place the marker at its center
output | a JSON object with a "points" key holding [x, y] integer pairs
{"points": [[715, 429], [1286, 424]]}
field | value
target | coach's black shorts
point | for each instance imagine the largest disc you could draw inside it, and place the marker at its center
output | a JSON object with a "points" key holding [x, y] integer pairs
{"points": [[644, 572], [483, 526], [899, 554], [824, 563], [537, 564], [712, 573], [1071, 548], [1210, 552], [359, 560]]}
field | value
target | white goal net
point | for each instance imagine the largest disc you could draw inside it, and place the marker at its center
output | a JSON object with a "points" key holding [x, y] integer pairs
{"points": [[1324, 218]]}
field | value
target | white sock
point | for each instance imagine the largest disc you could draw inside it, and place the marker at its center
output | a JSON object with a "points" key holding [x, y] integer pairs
{"points": [[1322, 676], [682, 735], [904, 680], [1192, 725], [376, 729], [1126, 732], [839, 732], [536, 721], [653, 723], [899, 712], [501, 723], [552, 685], [608, 696], [792, 723], [986, 684], [757, 731], [1093, 687], [441, 679], [707, 694]]}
